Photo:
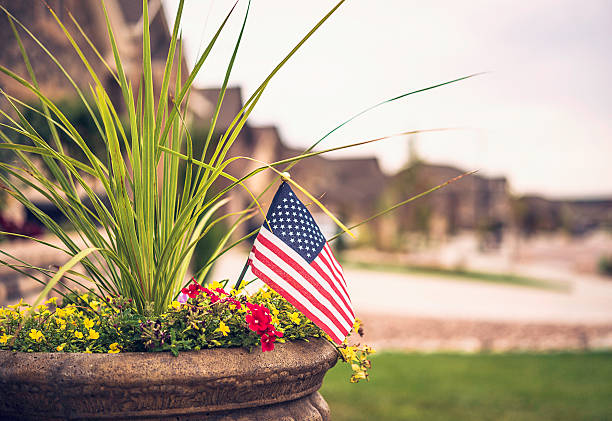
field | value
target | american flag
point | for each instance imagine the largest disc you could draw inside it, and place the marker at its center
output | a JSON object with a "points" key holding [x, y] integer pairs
{"points": [[291, 256]]}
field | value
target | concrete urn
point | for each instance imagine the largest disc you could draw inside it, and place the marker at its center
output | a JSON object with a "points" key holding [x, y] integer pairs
{"points": [[215, 384]]}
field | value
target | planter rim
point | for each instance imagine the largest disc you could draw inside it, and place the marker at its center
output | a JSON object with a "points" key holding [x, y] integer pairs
{"points": [[134, 384], [208, 363]]}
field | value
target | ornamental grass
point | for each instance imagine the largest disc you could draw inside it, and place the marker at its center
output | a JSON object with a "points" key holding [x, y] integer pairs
{"points": [[158, 197]]}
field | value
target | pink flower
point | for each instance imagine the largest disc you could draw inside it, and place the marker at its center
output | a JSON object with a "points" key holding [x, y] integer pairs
{"points": [[182, 298]]}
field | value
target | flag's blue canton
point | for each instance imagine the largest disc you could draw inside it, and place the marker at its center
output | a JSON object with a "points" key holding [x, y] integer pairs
{"points": [[290, 221]]}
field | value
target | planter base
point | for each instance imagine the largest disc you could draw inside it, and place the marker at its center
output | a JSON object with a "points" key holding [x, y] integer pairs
{"points": [[309, 408]]}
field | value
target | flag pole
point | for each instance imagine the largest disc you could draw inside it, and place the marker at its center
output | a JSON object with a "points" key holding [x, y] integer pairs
{"points": [[241, 277]]}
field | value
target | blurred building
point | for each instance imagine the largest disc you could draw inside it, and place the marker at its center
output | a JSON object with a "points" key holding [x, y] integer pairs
{"points": [[126, 18], [352, 188], [536, 214]]}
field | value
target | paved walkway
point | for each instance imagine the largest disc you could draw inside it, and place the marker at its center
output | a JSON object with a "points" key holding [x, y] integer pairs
{"points": [[587, 300], [429, 313]]}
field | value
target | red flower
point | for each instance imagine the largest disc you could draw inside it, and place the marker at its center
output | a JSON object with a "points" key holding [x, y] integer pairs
{"points": [[259, 319], [258, 308], [213, 297], [193, 290], [220, 291], [267, 342], [272, 332], [233, 301]]}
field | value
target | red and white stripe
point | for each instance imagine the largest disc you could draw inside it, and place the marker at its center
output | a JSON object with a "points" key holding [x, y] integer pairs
{"points": [[317, 289]]}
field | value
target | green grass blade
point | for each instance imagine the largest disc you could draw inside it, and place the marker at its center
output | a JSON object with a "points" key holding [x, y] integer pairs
{"points": [[51, 284]]}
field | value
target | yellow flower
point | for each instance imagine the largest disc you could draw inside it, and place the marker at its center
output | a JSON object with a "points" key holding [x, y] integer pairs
{"points": [[87, 351], [19, 304], [360, 375], [78, 334], [37, 335], [41, 308], [88, 323], [274, 311], [348, 353], [4, 338], [113, 348], [61, 347], [93, 334], [52, 300], [85, 298], [368, 350], [266, 295], [223, 328], [275, 320], [69, 310], [175, 305], [94, 305], [215, 285], [295, 317]]}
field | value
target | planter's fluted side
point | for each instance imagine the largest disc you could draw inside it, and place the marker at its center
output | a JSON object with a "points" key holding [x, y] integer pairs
{"points": [[224, 384]]}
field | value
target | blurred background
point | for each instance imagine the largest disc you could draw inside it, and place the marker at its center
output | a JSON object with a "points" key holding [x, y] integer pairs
{"points": [[488, 299]]}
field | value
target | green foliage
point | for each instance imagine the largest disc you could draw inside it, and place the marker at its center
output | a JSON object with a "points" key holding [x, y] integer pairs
{"points": [[80, 324], [181, 327], [441, 387], [209, 318]]}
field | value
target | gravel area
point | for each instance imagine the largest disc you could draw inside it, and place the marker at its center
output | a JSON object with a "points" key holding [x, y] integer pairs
{"points": [[393, 332]]}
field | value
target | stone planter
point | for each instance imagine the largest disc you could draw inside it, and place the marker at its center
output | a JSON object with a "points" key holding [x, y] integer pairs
{"points": [[215, 384]]}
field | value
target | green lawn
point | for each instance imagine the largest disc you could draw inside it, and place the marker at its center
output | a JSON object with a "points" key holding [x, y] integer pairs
{"points": [[467, 275], [475, 387]]}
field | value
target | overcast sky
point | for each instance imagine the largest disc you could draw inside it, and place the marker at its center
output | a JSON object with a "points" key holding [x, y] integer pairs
{"points": [[542, 117]]}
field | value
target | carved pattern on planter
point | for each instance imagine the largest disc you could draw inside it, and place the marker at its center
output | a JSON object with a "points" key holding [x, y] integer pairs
{"points": [[197, 385]]}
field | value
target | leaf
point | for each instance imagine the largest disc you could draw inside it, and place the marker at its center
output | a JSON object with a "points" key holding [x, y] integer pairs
{"points": [[58, 275]]}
